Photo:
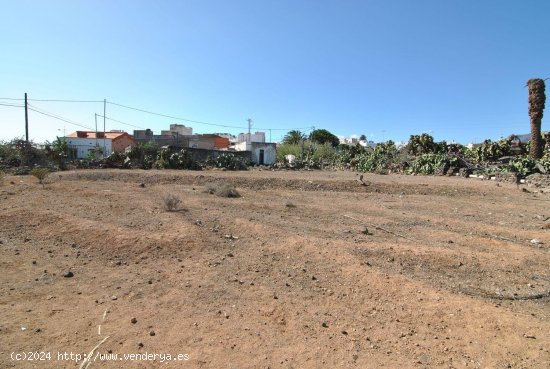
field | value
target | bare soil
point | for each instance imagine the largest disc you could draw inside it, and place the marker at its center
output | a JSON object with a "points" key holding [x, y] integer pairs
{"points": [[304, 270]]}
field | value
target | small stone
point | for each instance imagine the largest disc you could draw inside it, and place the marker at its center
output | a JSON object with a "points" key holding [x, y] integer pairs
{"points": [[142, 185], [324, 325], [114, 298], [68, 274], [140, 344], [34, 262], [535, 241], [37, 330], [152, 333], [133, 320]]}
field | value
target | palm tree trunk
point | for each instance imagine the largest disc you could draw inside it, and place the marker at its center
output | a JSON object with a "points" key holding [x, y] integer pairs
{"points": [[537, 99], [535, 151]]}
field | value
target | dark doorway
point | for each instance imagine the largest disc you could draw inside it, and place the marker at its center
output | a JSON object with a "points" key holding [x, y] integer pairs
{"points": [[261, 157]]}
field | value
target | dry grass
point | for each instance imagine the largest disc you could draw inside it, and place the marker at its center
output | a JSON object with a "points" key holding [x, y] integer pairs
{"points": [[222, 190], [289, 204], [171, 202], [41, 174]]}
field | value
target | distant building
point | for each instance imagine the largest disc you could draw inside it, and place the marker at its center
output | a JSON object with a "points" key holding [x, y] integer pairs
{"points": [[366, 143], [173, 136], [101, 144], [253, 137], [262, 153], [232, 138], [349, 140], [207, 141], [178, 129]]}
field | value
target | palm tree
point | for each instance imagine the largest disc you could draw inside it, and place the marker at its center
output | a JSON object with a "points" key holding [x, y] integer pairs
{"points": [[537, 98], [294, 137]]}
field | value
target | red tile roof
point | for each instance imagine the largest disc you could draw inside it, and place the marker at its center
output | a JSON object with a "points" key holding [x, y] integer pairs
{"points": [[92, 134]]}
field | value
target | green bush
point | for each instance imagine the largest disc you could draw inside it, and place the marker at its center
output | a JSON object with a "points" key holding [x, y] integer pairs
{"points": [[227, 161], [382, 158], [429, 164], [182, 160], [288, 149], [523, 166]]}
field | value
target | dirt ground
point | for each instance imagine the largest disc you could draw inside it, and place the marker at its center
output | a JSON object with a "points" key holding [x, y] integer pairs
{"points": [[450, 274]]}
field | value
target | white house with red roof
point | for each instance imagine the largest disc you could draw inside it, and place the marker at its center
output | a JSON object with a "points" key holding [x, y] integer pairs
{"points": [[102, 144]]}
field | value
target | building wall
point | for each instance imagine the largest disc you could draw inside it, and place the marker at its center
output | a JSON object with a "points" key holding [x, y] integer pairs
{"points": [[198, 142], [254, 137], [270, 151], [181, 129], [143, 134], [221, 142], [202, 155], [121, 143], [84, 145]]}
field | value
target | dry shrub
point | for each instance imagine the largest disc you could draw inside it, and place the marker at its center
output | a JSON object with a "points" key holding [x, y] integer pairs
{"points": [[2, 175], [222, 190], [40, 174], [210, 188], [171, 202]]}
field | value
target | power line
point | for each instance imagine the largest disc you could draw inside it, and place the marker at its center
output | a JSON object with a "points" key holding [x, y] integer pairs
{"points": [[174, 117], [196, 121], [43, 112], [17, 106], [118, 121], [10, 98], [70, 101], [147, 112]]}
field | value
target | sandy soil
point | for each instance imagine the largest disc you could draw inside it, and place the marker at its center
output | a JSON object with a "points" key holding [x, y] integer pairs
{"points": [[283, 277]]}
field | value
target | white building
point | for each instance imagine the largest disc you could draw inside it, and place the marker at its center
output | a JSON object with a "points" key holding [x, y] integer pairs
{"points": [[98, 144], [180, 129], [84, 146], [254, 137], [262, 153]]}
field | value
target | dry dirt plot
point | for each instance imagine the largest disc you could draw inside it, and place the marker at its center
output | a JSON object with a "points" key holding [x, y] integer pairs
{"points": [[283, 277]]}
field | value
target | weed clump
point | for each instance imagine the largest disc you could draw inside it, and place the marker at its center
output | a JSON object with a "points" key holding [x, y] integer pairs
{"points": [[222, 190], [171, 202], [289, 204], [40, 174]]}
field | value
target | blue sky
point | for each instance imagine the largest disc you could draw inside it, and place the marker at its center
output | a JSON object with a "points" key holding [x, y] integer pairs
{"points": [[383, 68]]}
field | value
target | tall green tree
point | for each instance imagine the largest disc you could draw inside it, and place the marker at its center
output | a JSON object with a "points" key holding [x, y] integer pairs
{"points": [[537, 99], [323, 136], [294, 137]]}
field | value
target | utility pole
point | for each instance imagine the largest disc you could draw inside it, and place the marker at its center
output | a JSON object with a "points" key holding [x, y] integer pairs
{"points": [[249, 126], [104, 115], [26, 119], [96, 141]]}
